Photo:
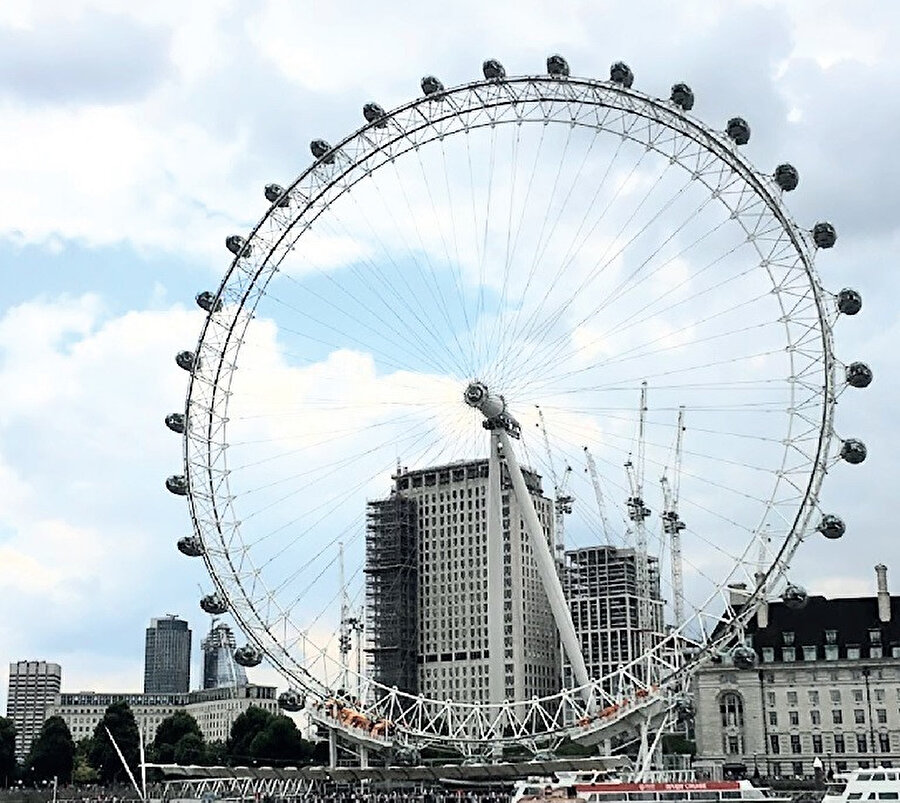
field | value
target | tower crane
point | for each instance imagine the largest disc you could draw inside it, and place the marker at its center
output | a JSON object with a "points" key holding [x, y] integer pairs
{"points": [[672, 523], [562, 503], [598, 493], [638, 513]]}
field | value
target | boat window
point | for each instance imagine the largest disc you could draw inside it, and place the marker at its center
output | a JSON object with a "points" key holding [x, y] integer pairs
{"points": [[889, 795], [671, 795], [704, 796], [642, 796], [854, 796], [726, 795], [864, 776], [877, 776]]}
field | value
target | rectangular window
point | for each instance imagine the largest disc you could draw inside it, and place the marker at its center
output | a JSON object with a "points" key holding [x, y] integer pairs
{"points": [[837, 717], [815, 717], [879, 695], [787, 637], [788, 654], [774, 745], [768, 655], [770, 697], [773, 717], [798, 769], [884, 743], [809, 653], [792, 698], [881, 716], [859, 716], [813, 697], [817, 743], [831, 652], [857, 695], [874, 636], [795, 743], [876, 652], [835, 695], [831, 636], [862, 743], [853, 653], [794, 717]]}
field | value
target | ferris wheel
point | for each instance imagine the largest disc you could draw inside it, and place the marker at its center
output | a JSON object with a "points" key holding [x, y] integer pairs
{"points": [[510, 410]]}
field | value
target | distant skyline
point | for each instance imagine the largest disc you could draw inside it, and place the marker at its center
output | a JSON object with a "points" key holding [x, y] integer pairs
{"points": [[136, 137]]}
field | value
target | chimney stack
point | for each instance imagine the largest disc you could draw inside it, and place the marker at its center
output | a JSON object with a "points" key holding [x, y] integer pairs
{"points": [[884, 597]]}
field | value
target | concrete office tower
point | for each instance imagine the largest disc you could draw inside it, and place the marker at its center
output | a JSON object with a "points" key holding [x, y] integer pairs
{"points": [[33, 686], [167, 656], [450, 521], [219, 667], [602, 589]]}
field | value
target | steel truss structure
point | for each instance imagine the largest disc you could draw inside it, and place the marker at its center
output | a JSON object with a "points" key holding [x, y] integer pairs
{"points": [[643, 689]]}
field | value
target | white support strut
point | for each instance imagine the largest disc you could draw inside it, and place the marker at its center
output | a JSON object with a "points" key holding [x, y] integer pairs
{"points": [[496, 682], [500, 424]]}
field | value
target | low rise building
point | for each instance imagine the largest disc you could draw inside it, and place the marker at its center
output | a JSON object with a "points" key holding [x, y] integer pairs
{"points": [[214, 709], [826, 685]]}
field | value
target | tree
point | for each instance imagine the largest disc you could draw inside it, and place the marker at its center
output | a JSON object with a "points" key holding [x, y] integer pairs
{"points": [[191, 749], [119, 719], [83, 772], [279, 742], [244, 730], [52, 753], [7, 750], [169, 734]]}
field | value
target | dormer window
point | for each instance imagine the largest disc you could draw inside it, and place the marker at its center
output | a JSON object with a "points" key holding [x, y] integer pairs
{"points": [[787, 637], [831, 636], [874, 636]]}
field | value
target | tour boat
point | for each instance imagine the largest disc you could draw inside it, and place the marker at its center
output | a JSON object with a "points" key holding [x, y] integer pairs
{"points": [[881, 783]]}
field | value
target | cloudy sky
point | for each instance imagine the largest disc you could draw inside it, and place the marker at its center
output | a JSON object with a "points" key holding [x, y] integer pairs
{"points": [[135, 137]]}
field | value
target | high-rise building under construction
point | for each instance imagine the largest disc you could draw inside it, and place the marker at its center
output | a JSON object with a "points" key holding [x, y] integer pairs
{"points": [[428, 541], [219, 667]]}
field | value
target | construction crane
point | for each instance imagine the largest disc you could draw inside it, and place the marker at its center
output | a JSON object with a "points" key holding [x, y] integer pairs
{"points": [[350, 624], [598, 493], [562, 504], [672, 523], [638, 513]]}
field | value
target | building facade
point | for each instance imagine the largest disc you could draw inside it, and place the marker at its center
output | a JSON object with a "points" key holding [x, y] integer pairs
{"points": [[214, 709], [220, 670], [33, 686], [448, 505], [167, 656], [602, 590], [826, 686]]}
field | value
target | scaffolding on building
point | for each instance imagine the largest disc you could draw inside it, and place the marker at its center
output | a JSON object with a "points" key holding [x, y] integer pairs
{"points": [[392, 582]]}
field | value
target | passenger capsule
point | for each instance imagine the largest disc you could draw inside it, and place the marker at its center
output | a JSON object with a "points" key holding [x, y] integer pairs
{"points": [[849, 301], [795, 597], [175, 422], [620, 73], [431, 85], [291, 700], [738, 131], [832, 526], [824, 235], [190, 545], [322, 151], [787, 177], [208, 301], [213, 604], [185, 360], [276, 194], [238, 245], [558, 66], [859, 375], [177, 484], [743, 657], [853, 451], [248, 655], [493, 70], [375, 114], [682, 97]]}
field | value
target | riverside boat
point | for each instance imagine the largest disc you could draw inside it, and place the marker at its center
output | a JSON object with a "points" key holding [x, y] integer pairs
{"points": [[881, 783], [601, 787]]}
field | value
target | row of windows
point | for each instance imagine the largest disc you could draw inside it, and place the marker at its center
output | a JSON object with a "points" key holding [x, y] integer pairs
{"points": [[811, 652], [863, 741], [837, 717], [813, 696]]}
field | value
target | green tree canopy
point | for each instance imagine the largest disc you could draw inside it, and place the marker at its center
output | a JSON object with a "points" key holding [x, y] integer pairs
{"points": [[7, 750], [169, 734], [191, 749], [279, 742], [52, 753], [119, 719], [244, 730]]}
